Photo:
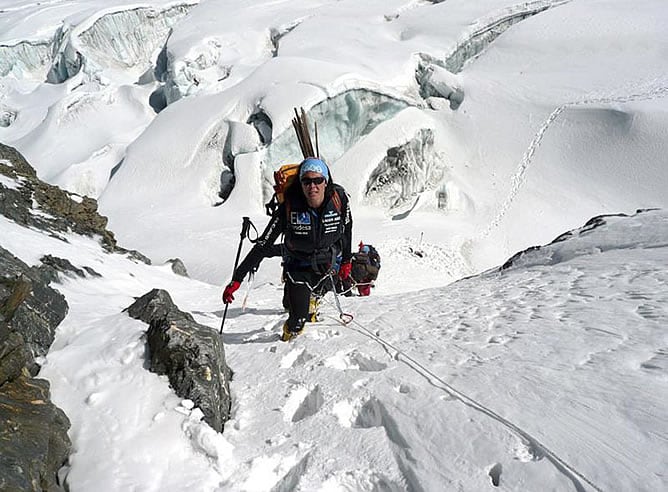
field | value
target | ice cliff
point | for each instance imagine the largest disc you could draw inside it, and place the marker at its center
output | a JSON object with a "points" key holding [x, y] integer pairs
{"points": [[119, 39]]}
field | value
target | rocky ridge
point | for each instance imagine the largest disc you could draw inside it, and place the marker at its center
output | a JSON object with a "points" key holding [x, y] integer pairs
{"points": [[34, 444]]}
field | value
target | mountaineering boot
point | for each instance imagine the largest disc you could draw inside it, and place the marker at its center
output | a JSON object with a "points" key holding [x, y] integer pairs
{"points": [[289, 334], [313, 307]]}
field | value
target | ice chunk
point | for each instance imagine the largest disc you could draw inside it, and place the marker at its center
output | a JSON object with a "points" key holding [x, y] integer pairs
{"points": [[31, 58], [121, 40], [7, 116], [435, 81], [406, 171]]}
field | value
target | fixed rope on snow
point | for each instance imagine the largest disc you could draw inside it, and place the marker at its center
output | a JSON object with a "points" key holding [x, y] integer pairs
{"points": [[345, 317], [432, 378]]}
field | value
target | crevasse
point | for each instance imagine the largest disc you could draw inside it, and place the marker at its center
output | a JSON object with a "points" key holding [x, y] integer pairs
{"points": [[342, 121], [125, 39], [129, 38]]}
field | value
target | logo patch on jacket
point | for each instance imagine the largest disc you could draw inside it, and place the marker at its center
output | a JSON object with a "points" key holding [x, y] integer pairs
{"points": [[331, 220], [300, 218]]}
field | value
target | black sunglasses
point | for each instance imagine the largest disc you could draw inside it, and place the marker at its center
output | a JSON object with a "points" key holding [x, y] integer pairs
{"points": [[316, 181]]}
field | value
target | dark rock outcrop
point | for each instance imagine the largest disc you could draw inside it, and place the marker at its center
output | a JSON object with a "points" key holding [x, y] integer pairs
{"points": [[14, 355], [591, 224], [56, 211], [33, 436], [62, 210], [191, 355], [37, 317], [178, 267], [33, 432]]}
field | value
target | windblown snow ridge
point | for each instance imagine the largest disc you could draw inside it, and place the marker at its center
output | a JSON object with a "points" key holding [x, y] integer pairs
{"points": [[436, 77], [582, 241], [486, 30]]}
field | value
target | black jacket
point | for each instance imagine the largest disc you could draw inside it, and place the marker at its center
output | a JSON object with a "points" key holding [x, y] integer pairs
{"points": [[312, 238]]}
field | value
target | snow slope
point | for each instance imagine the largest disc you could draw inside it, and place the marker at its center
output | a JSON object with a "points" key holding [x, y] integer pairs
{"points": [[464, 132], [548, 374]]}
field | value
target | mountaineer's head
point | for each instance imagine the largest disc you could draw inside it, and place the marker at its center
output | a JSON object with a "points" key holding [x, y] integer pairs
{"points": [[313, 177]]}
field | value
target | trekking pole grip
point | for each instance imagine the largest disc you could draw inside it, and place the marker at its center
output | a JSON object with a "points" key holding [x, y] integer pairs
{"points": [[245, 227]]}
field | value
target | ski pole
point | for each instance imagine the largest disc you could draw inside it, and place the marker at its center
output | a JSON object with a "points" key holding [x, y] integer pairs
{"points": [[245, 227]]}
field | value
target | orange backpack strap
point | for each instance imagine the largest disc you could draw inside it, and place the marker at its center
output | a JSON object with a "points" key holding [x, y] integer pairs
{"points": [[336, 198]]}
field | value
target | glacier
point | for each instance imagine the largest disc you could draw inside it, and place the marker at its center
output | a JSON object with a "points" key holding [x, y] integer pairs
{"points": [[463, 132], [342, 121], [203, 110], [484, 31], [124, 39]]}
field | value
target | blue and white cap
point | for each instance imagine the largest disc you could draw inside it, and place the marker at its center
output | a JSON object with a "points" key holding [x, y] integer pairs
{"points": [[314, 165]]}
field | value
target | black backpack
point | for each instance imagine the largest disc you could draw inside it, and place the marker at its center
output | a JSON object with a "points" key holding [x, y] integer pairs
{"points": [[374, 257], [366, 265]]}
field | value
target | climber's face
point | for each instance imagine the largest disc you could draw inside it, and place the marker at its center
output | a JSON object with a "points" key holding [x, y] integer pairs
{"points": [[313, 186]]}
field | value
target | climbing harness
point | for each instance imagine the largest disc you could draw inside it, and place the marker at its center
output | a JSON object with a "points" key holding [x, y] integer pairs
{"points": [[344, 318]]}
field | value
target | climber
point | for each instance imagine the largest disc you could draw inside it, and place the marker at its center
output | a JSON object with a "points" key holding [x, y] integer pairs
{"points": [[317, 224]]}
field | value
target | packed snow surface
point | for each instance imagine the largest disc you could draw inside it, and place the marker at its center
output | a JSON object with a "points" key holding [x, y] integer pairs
{"points": [[548, 374], [464, 132]]}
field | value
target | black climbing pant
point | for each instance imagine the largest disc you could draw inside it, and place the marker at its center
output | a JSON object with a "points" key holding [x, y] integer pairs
{"points": [[297, 294]]}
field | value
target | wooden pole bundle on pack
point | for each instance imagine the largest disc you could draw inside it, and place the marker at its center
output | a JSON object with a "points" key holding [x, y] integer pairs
{"points": [[300, 124], [284, 175]]}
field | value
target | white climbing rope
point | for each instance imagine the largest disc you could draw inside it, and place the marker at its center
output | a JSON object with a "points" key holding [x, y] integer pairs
{"points": [[436, 381]]}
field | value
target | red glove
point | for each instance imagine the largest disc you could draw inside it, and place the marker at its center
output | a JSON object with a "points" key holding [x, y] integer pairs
{"points": [[344, 270], [229, 290]]}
